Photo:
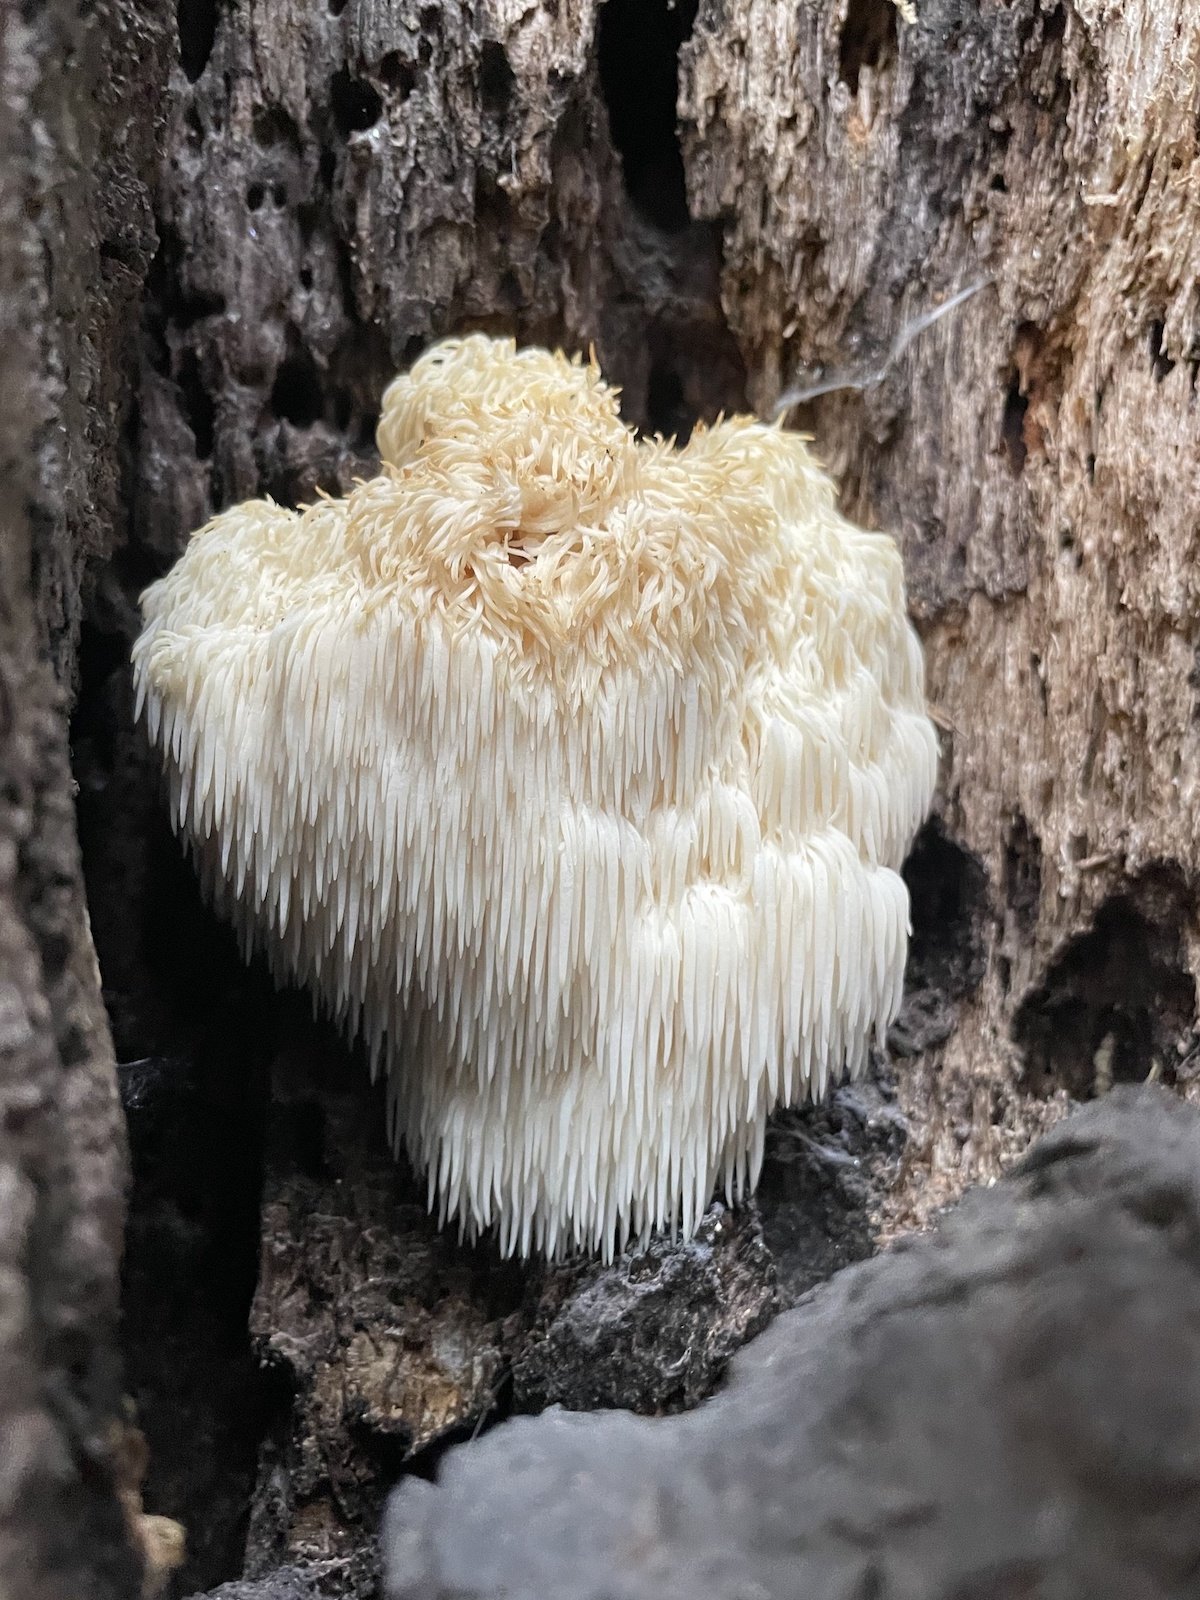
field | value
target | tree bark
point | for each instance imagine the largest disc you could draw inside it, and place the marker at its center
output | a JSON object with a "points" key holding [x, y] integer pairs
{"points": [[76, 227], [228, 223], [1036, 455]]}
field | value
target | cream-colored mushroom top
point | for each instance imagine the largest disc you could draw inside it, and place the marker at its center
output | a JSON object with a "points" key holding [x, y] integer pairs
{"points": [[572, 771]]}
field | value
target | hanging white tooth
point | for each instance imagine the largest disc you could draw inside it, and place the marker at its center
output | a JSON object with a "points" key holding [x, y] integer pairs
{"points": [[596, 847]]}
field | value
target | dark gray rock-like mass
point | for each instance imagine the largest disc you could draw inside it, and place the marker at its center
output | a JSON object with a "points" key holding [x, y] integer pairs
{"points": [[1007, 1407], [317, 1581]]}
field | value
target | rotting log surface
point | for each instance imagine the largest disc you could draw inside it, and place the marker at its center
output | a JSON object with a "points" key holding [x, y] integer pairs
{"points": [[76, 133], [717, 194], [971, 1415], [1036, 456]]}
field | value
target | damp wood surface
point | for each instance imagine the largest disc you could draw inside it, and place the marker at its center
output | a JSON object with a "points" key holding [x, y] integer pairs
{"points": [[230, 224], [75, 218], [1036, 456]]}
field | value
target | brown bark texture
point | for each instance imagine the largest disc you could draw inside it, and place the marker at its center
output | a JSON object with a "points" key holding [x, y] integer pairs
{"points": [[1037, 458], [227, 223]]}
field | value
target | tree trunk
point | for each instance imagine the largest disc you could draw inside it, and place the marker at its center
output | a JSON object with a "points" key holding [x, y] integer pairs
{"points": [[1037, 457], [728, 198], [77, 237]]}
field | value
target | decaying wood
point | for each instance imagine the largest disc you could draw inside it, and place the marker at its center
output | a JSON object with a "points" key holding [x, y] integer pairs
{"points": [[75, 225], [972, 1415], [1036, 454], [720, 195]]}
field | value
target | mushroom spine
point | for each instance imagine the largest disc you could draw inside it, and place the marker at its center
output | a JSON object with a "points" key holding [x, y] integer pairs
{"points": [[571, 771]]}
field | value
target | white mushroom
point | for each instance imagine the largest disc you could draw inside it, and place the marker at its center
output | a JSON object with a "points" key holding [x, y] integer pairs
{"points": [[572, 772]]}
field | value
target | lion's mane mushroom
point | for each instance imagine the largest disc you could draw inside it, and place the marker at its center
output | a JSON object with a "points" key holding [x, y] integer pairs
{"points": [[571, 771]]}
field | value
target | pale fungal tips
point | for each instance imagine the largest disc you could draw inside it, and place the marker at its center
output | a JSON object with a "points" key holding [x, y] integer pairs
{"points": [[571, 771]]}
